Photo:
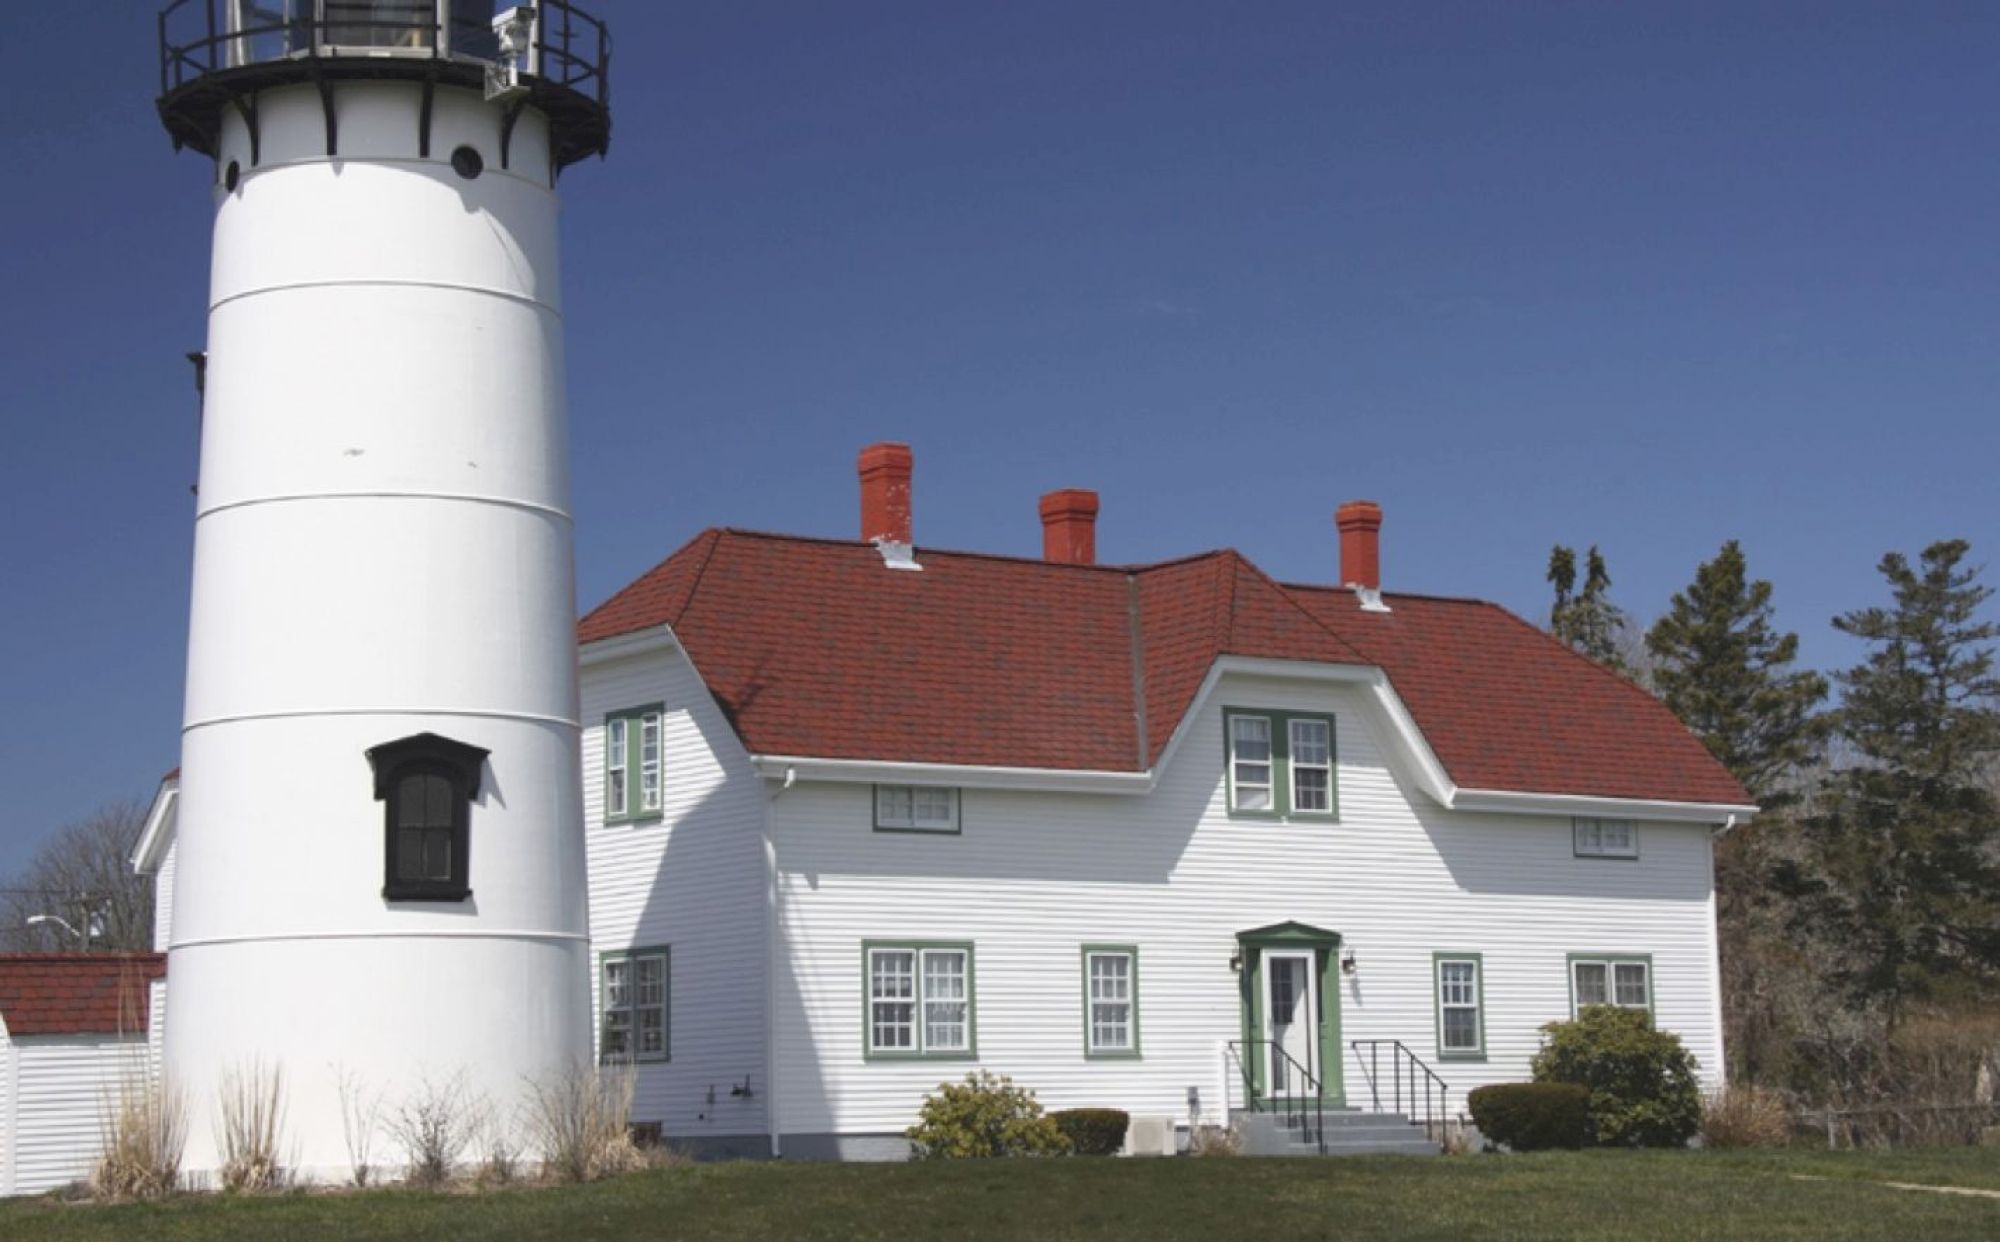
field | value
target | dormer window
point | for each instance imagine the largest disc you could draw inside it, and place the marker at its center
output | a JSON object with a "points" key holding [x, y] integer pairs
{"points": [[426, 784], [1280, 765]]}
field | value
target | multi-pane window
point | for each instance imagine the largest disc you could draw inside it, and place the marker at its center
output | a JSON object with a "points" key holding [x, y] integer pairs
{"points": [[632, 763], [426, 784], [916, 808], [1312, 765], [632, 1005], [1605, 838], [1250, 763], [1461, 1031], [919, 1000], [1111, 1001], [1626, 982], [1280, 764]]}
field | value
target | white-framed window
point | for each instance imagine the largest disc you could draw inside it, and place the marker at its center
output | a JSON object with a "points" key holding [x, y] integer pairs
{"points": [[1310, 758], [632, 1005], [1251, 764], [916, 808], [1610, 979], [1280, 765], [1111, 1000], [1605, 838], [1461, 1019], [920, 1001], [632, 763]]}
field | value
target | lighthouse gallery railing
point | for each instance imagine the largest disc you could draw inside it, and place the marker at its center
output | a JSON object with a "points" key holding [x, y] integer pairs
{"points": [[570, 48]]}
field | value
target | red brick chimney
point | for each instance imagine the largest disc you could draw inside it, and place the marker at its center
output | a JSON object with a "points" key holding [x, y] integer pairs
{"points": [[1069, 526], [1360, 523], [885, 492]]}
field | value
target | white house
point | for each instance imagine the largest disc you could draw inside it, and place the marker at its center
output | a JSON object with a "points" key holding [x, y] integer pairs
{"points": [[73, 1034], [1170, 838]]}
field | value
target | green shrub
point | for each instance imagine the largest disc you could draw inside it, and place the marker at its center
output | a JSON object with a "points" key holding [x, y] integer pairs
{"points": [[1093, 1131], [1532, 1116], [983, 1116], [1641, 1080]]}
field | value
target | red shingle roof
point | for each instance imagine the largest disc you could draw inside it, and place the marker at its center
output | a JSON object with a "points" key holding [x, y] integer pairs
{"points": [[814, 648], [77, 994]]}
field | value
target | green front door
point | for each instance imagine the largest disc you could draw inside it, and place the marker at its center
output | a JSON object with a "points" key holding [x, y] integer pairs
{"points": [[1291, 1000]]}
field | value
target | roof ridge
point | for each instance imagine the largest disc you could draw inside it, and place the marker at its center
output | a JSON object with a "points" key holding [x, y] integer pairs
{"points": [[1305, 612], [931, 550], [701, 570], [1335, 589], [654, 568]]}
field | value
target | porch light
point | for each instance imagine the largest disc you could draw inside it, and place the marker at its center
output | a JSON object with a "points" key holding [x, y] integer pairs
{"points": [[1347, 962], [1236, 962]]}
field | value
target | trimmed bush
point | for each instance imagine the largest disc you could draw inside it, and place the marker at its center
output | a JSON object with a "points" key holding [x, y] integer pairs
{"points": [[1532, 1116], [986, 1115], [1641, 1080], [1093, 1131]]}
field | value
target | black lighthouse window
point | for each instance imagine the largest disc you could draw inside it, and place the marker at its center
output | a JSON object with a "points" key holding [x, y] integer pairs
{"points": [[427, 785]]}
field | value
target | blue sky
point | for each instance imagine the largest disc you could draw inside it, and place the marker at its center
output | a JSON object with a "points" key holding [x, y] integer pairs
{"points": [[1650, 276]]}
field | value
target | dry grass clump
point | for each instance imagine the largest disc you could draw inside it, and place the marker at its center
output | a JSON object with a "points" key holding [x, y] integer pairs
{"points": [[1745, 1116], [360, 1120], [144, 1131], [1216, 1140], [582, 1122], [253, 1116], [435, 1125]]}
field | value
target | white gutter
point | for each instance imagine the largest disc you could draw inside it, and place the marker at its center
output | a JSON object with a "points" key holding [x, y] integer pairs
{"points": [[618, 646], [1509, 802], [967, 776]]}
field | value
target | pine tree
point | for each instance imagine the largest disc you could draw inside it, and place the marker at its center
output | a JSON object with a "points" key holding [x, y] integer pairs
{"points": [[1726, 672], [1587, 620], [1906, 852]]}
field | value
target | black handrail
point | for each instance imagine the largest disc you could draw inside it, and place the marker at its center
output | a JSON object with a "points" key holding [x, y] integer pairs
{"points": [[1404, 1068], [572, 49], [1295, 1109]]}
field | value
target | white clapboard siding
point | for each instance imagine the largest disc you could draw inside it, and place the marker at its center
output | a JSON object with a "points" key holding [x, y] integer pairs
{"points": [[1033, 877], [9, 1062], [163, 899], [694, 882], [63, 1087]]}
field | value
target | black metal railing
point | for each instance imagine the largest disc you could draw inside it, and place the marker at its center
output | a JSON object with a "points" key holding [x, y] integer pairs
{"points": [[569, 48], [1414, 1088], [1299, 1106]]}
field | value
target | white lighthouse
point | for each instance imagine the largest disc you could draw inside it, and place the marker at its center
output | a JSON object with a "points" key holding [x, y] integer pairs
{"points": [[381, 871]]}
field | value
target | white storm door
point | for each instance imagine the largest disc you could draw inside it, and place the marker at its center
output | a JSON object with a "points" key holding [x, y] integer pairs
{"points": [[1291, 1001]]}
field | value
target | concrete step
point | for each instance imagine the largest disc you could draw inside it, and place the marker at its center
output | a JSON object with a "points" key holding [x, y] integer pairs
{"points": [[1347, 1132]]}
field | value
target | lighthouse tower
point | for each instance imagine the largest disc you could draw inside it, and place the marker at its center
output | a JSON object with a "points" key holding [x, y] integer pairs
{"points": [[380, 882]]}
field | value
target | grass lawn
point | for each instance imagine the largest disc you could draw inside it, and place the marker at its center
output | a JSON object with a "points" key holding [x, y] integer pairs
{"points": [[1650, 1195]]}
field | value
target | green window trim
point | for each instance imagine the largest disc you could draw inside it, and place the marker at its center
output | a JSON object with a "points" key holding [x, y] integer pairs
{"points": [[1283, 777], [932, 828], [1090, 1050], [624, 766], [1611, 962], [1325, 945], [1438, 960], [919, 1018], [632, 957]]}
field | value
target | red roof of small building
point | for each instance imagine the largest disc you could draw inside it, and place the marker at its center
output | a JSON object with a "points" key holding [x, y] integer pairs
{"points": [[814, 647], [77, 994]]}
